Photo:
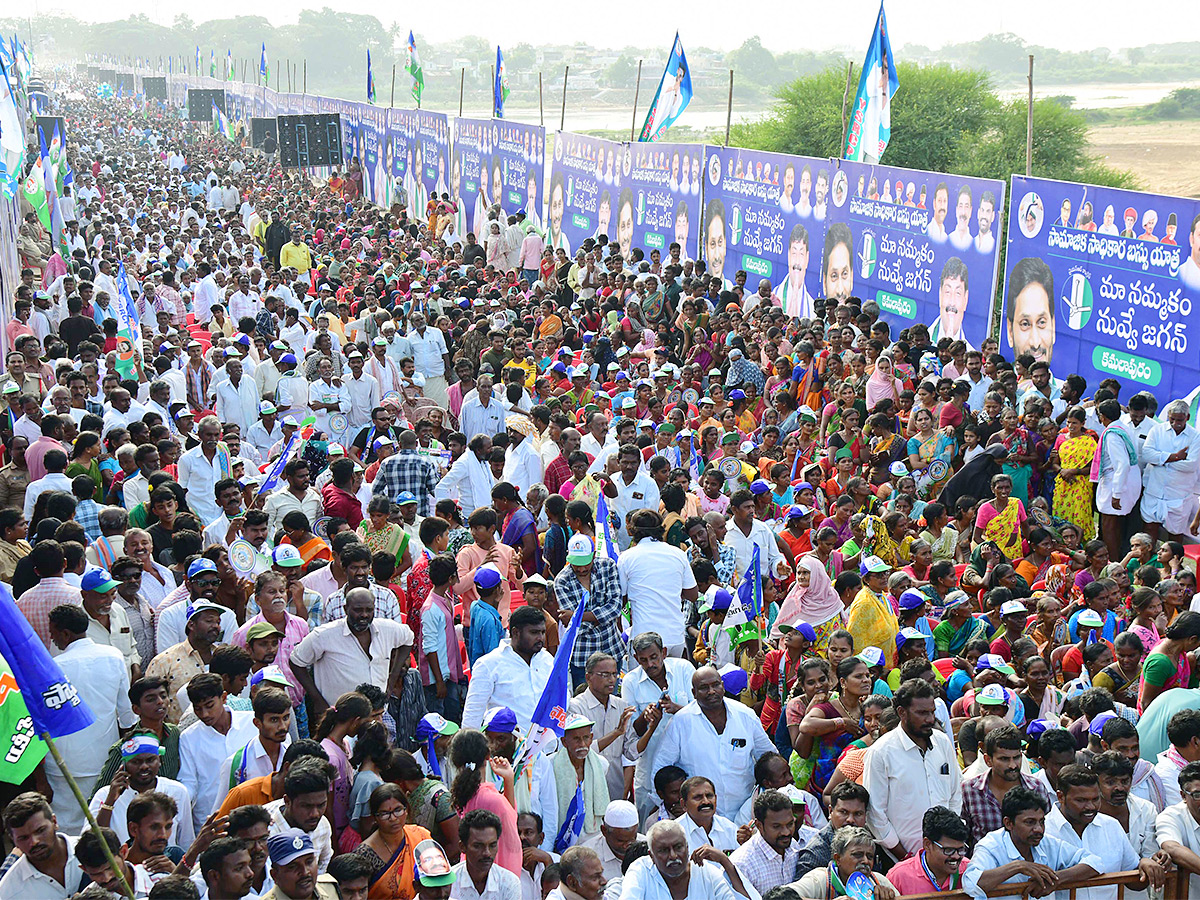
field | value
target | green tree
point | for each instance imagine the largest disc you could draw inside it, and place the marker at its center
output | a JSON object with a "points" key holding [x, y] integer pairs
{"points": [[621, 74], [754, 62]]}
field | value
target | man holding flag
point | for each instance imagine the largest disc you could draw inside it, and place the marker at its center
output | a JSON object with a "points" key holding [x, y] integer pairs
{"points": [[593, 579]]}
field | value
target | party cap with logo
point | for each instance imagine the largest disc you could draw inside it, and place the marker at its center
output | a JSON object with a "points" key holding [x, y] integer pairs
{"points": [[994, 661], [499, 719], [992, 695], [716, 598], [1090, 618], [872, 656], [873, 564], [431, 727], [908, 634], [432, 868], [580, 550], [1012, 608], [912, 599], [487, 577], [801, 626], [286, 556], [1098, 723], [735, 679], [270, 675], [141, 745]]}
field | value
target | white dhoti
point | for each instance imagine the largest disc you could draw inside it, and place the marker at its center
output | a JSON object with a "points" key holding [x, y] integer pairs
{"points": [[437, 389]]}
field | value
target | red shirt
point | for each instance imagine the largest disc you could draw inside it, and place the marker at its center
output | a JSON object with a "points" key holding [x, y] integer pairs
{"points": [[340, 503]]}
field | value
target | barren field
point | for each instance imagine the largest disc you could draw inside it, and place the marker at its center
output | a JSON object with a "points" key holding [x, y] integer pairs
{"points": [[1165, 156]]}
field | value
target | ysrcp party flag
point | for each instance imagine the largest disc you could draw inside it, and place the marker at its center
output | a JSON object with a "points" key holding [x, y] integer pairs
{"points": [[672, 97], [413, 66], [53, 702], [263, 68], [500, 88], [20, 748], [871, 117], [128, 325], [212, 63], [370, 81]]}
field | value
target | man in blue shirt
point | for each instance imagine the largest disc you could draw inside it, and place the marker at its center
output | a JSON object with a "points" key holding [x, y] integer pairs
{"points": [[487, 631], [1021, 850]]}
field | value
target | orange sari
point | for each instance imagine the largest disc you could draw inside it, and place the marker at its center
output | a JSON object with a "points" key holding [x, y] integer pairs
{"points": [[313, 548]]}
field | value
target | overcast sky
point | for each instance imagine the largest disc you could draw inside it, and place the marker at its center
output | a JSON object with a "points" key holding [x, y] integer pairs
{"points": [[1065, 24]]}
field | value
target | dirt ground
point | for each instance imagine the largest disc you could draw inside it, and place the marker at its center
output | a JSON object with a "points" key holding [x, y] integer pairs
{"points": [[1164, 155]]}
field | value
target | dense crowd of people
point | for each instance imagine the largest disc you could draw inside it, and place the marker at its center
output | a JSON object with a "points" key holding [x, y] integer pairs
{"points": [[863, 614]]}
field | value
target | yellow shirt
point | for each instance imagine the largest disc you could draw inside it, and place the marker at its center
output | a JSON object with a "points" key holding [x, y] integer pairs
{"points": [[528, 367], [295, 256]]}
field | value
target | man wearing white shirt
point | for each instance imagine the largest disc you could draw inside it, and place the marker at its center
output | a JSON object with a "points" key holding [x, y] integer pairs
{"points": [[910, 769], [522, 462], [237, 397], [635, 490], [207, 743], [101, 676], [301, 809], [745, 532], [272, 717], [596, 439], [55, 462], [364, 392], [1078, 822], [140, 761], [701, 821], [136, 488], [660, 577], [470, 479], [202, 467], [713, 734], [430, 356], [1177, 827], [669, 868], [245, 301], [478, 877], [512, 675], [207, 293], [482, 413], [47, 866], [327, 395]]}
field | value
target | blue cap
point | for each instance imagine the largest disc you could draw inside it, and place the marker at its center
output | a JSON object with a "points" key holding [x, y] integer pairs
{"points": [[908, 634], [288, 846], [559, 367], [801, 626], [734, 678], [487, 577], [1039, 727], [758, 486], [911, 599], [736, 394], [98, 580], [499, 719], [406, 497], [288, 358], [201, 565]]}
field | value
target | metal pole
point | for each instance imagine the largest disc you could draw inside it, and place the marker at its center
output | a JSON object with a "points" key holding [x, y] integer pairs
{"points": [[845, 97], [562, 121], [1029, 125], [637, 90], [289, 73], [492, 82], [243, 71], [305, 88], [462, 80], [83, 804], [729, 109], [392, 102], [541, 107]]}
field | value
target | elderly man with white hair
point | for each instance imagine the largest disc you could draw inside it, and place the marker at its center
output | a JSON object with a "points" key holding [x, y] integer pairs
{"points": [[853, 852], [672, 870], [1171, 479]]}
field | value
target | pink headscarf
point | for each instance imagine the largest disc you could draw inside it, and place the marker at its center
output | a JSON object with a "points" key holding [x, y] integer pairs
{"points": [[883, 387], [815, 604]]}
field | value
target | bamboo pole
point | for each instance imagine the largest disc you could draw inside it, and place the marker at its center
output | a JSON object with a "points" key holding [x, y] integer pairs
{"points": [[304, 89], [462, 80], [845, 98], [83, 804], [562, 121], [637, 90], [392, 102], [492, 82], [729, 109], [1029, 124], [541, 107]]}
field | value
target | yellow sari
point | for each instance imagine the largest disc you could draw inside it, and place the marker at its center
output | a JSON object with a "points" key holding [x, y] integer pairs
{"points": [[873, 624], [1074, 500], [1005, 529]]}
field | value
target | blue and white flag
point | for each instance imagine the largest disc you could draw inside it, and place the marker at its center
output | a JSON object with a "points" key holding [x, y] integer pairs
{"points": [[263, 69], [54, 703], [871, 116], [572, 825], [370, 81], [672, 97], [747, 603], [604, 540], [276, 471], [550, 715], [499, 86]]}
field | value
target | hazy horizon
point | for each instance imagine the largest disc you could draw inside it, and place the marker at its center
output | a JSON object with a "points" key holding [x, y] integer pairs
{"points": [[1072, 26]]}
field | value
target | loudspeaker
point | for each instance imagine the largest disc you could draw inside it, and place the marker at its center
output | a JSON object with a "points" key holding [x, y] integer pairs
{"points": [[200, 104], [311, 140], [107, 76], [154, 87]]}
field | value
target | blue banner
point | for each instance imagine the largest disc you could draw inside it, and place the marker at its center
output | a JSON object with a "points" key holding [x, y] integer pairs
{"points": [[662, 191], [53, 702], [422, 139], [496, 162], [920, 244], [1104, 282], [585, 184], [764, 214]]}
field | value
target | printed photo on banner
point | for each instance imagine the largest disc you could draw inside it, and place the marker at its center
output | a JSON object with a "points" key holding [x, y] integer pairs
{"points": [[1103, 282], [660, 202], [920, 244], [765, 215], [585, 185]]}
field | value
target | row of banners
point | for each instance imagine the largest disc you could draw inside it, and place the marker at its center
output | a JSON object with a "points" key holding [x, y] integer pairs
{"points": [[1099, 281]]}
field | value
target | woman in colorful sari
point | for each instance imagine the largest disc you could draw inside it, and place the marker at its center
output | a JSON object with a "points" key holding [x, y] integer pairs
{"points": [[883, 385], [925, 446], [390, 847], [383, 536], [870, 618], [1001, 520], [1014, 438], [813, 599], [807, 375], [959, 627], [518, 527], [831, 414], [1074, 498], [831, 724], [1167, 664], [1041, 557]]}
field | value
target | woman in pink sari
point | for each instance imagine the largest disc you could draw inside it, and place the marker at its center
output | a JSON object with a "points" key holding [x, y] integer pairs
{"points": [[813, 599], [883, 385]]}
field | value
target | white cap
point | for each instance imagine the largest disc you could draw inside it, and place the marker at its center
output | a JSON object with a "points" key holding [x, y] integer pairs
{"points": [[621, 814]]}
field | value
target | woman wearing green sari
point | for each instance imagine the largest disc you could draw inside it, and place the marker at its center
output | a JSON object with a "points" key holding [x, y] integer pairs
{"points": [[85, 456], [959, 628]]}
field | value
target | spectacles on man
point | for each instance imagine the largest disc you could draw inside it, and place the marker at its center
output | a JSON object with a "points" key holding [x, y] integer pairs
{"points": [[959, 851]]}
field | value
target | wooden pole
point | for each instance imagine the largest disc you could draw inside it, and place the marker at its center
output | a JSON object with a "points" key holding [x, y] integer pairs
{"points": [[243, 71], [637, 90], [462, 81], [305, 88], [562, 121], [729, 109], [1029, 124], [492, 82], [541, 106], [289, 73], [83, 804], [392, 102], [845, 98]]}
